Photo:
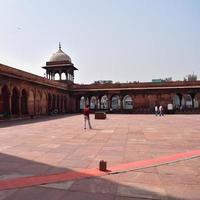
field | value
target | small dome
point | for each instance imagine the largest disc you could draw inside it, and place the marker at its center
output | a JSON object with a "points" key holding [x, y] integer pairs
{"points": [[59, 56]]}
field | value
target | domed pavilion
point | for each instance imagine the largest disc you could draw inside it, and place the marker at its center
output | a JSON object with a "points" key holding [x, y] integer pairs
{"points": [[60, 63]]}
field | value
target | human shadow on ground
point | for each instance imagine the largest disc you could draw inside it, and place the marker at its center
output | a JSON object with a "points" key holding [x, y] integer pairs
{"points": [[94, 188]]}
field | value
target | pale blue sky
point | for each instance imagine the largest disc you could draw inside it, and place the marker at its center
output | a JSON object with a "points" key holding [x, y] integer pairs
{"points": [[119, 40]]}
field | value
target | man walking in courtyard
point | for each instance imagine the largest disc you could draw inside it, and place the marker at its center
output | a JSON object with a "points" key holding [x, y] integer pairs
{"points": [[86, 113]]}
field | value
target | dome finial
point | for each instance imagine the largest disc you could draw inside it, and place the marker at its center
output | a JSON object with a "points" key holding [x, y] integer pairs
{"points": [[59, 45]]}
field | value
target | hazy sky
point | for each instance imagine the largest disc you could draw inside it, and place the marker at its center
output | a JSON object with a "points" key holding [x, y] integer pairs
{"points": [[119, 40]]}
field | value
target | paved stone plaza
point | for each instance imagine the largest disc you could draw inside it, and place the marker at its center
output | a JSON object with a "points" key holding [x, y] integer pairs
{"points": [[59, 144]]}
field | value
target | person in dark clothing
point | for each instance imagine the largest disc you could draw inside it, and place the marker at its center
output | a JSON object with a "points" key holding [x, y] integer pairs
{"points": [[86, 113]]}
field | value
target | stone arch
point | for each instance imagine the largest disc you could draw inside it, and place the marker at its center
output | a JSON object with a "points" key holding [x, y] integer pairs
{"points": [[104, 102], [115, 102], [188, 101], [93, 102], [182, 101], [24, 102], [127, 102], [63, 76], [15, 101], [87, 101], [177, 101], [57, 76], [4, 100], [82, 102], [196, 100]]}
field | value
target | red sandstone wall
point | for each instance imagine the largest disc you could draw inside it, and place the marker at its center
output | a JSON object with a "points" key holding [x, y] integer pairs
{"points": [[36, 95], [1, 104], [22, 75], [136, 85], [39, 88]]}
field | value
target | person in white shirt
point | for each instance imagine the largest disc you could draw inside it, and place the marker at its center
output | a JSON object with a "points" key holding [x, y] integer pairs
{"points": [[156, 110], [160, 110]]}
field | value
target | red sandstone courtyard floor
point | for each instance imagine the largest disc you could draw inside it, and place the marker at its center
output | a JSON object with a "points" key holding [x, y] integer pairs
{"points": [[60, 145]]}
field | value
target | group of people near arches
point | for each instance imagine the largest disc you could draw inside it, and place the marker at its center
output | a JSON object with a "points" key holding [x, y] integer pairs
{"points": [[159, 110]]}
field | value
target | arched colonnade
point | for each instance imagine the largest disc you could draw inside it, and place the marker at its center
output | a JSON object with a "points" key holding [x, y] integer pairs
{"points": [[115, 102], [140, 102], [186, 101], [17, 101]]}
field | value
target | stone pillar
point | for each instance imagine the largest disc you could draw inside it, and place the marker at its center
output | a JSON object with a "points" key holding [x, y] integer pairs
{"points": [[65, 76], [193, 99], [72, 76], [97, 103], [63, 108], [60, 104], [87, 100], [56, 102], [133, 98], [60, 76], [34, 103], [20, 104], [121, 102], [10, 103], [27, 107], [51, 105], [109, 101], [182, 101]]}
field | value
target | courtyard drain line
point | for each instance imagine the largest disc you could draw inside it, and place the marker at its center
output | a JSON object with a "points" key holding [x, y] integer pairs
{"points": [[29, 181]]}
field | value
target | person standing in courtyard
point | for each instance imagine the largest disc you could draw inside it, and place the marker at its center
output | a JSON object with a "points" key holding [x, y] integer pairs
{"points": [[161, 110], [156, 110], [86, 113]]}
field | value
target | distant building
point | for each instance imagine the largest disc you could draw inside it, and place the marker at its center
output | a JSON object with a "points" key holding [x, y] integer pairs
{"points": [[192, 77], [169, 79], [156, 80], [103, 82]]}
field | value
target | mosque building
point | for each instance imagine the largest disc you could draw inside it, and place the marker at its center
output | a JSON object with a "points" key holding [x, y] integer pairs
{"points": [[23, 94]]}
